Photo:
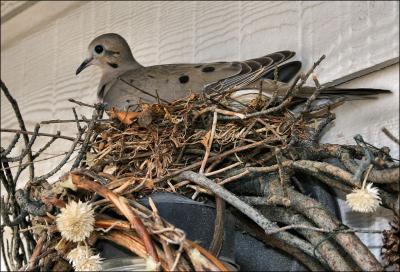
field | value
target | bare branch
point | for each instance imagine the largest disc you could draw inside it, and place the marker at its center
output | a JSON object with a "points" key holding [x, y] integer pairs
{"points": [[21, 123]]}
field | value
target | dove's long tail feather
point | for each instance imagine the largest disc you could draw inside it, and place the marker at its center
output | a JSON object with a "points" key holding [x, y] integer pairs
{"points": [[349, 94], [245, 96]]}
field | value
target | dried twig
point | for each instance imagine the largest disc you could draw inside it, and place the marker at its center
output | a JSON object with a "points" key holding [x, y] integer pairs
{"points": [[28, 146], [390, 135], [38, 134], [62, 162], [216, 243], [12, 144], [21, 123], [81, 103], [36, 253], [85, 144], [214, 158], [209, 143], [143, 91]]}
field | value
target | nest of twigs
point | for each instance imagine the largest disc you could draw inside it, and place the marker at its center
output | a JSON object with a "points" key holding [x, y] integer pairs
{"points": [[202, 147], [184, 132]]}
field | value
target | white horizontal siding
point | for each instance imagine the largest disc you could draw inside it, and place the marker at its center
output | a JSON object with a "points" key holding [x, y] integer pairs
{"points": [[353, 35], [11, 8]]}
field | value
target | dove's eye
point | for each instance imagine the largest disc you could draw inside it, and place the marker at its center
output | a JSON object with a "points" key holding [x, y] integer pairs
{"points": [[98, 49]]}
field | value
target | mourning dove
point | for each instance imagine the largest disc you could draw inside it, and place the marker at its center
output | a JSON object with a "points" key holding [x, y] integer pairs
{"points": [[125, 82]]}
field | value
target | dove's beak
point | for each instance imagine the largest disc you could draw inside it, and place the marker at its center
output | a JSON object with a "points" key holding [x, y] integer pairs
{"points": [[85, 63]]}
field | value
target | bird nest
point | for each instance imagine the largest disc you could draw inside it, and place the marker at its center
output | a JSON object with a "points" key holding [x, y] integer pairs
{"points": [[251, 157], [160, 140]]}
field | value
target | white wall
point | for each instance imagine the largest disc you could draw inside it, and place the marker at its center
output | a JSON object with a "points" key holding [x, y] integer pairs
{"points": [[38, 65], [43, 45]]}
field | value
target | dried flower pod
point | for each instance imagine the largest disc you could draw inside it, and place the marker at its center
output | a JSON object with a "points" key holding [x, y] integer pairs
{"points": [[364, 200], [152, 265], [78, 253], [76, 221], [93, 263]]}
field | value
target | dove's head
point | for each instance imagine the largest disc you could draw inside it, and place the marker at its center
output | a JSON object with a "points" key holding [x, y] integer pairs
{"points": [[110, 52]]}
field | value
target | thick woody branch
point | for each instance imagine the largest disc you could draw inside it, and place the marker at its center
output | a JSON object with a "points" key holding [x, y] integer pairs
{"points": [[308, 261], [315, 211], [249, 211]]}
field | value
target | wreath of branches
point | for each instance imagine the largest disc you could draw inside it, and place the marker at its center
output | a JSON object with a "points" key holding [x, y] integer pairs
{"points": [[201, 148]]}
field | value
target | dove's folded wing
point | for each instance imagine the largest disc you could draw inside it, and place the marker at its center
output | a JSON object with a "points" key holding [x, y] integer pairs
{"points": [[174, 81]]}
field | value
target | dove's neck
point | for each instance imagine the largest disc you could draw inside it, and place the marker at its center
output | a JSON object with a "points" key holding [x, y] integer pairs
{"points": [[113, 70], [110, 73]]}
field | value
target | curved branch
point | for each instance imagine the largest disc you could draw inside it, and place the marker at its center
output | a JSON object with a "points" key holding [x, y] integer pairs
{"points": [[252, 213], [21, 123], [316, 212]]}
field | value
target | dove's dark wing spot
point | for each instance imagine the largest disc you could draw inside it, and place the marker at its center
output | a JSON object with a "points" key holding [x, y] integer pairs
{"points": [[208, 69], [184, 79]]}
